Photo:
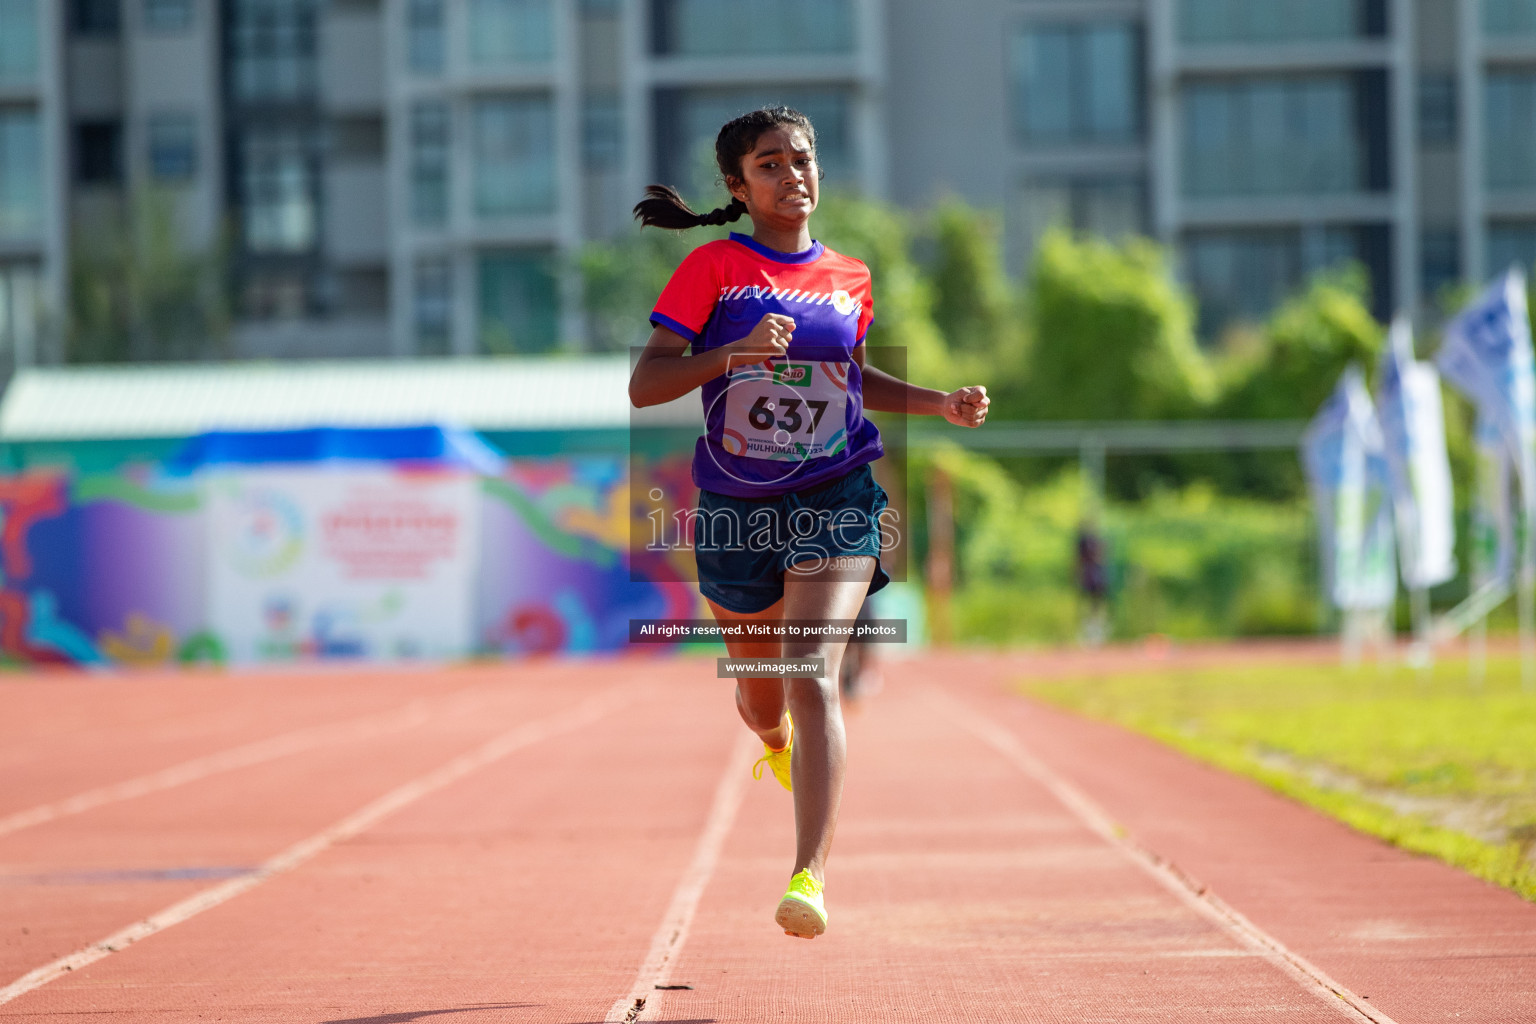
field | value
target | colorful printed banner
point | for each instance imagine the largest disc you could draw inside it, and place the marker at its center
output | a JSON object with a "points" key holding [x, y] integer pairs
{"points": [[247, 565]]}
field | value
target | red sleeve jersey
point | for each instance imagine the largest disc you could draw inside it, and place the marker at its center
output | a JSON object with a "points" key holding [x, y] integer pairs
{"points": [[800, 423]]}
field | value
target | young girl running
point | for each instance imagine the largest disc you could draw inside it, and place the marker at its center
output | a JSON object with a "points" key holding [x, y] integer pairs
{"points": [[788, 526]]}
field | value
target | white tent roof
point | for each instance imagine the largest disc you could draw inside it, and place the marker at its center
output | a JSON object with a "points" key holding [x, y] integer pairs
{"points": [[179, 400]]}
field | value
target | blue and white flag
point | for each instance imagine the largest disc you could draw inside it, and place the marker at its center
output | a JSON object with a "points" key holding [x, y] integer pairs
{"points": [[1487, 356], [1493, 513], [1346, 466], [1412, 419]]}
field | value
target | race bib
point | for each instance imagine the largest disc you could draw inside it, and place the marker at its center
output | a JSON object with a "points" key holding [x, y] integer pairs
{"points": [[795, 411]]}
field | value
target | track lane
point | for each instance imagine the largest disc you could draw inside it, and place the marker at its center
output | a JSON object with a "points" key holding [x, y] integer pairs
{"points": [[71, 881], [530, 889], [1422, 940], [65, 735]]}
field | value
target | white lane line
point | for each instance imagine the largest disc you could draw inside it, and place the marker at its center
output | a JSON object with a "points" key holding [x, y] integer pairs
{"points": [[524, 735], [270, 749], [1190, 892], [644, 999]]}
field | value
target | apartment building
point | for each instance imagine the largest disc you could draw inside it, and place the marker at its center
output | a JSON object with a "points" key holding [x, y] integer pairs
{"points": [[1261, 140], [412, 177]]}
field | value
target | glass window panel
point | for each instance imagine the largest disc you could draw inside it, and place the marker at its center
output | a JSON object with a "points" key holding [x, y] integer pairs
{"points": [[1078, 83], [1105, 207], [1271, 136], [1437, 109], [1509, 141], [602, 135], [98, 153], [95, 17], [691, 119], [172, 146], [278, 192], [426, 41], [1509, 17], [1511, 245], [21, 174], [511, 31], [434, 307], [749, 27], [167, 15], [519, 302], [20, 313], [1273, 21], [272, 44], [18, 41], [1113, 78], [514, 147], [429, 162], [1440, 260], [1045, 85]]}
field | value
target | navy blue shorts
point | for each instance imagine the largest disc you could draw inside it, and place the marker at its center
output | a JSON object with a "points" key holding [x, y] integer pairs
{"points": [[744, 546]]}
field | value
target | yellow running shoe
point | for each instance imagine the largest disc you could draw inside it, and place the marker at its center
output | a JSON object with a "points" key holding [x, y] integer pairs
{"points": [[778, 760], [801, 912]]}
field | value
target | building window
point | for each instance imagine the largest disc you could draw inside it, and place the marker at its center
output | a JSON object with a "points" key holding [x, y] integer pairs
{"points": [[1437, 109], [1078, 84], [95, 17], [688, 120], [283, 295], [429, 162], [1440, 260], [18, 40], [21, 174], [278, 192], [511, 31], [272, 49], [20, 297], [714, 28], [519, 302], [172, 146], [1243, 275], [1285, 136], [433, 311], [1509, 143], [1511, 244], [167, 15], [99, 152], [602, 136], [1273, 21], [1509, 17], [1112, 207], [426, 42], [514, 147]]}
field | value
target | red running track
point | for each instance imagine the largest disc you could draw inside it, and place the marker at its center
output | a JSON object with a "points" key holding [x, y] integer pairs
{"points": [[546, 843]]}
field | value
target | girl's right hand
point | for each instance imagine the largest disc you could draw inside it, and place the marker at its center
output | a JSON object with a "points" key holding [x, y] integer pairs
{"points": [[768, 340]]}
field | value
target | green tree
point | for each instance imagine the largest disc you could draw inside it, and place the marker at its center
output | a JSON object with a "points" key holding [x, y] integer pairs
{"points": [[1113, 335], [1306, 345], [137, 292], [976, 306]]}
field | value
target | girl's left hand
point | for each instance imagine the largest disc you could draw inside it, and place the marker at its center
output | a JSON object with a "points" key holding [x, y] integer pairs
{"points": [[967, 407]]}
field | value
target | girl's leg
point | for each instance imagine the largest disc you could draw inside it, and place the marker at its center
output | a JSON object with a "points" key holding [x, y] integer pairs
{"points": [[820, 746], [760, 702]]}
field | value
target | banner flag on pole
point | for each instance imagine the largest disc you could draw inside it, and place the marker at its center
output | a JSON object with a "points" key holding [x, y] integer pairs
{"points": [[1487, 356], [1493, 520], [1346, 466], [1412, 419]]}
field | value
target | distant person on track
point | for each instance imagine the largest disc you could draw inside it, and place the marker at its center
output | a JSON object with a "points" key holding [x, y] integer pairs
{"points": [[788, 528]]}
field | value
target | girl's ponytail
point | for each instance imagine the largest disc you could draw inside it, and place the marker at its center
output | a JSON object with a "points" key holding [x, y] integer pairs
{"points": [[662, 207]]}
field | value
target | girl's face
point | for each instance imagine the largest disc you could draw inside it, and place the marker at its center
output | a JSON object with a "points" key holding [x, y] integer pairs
{"points": [[778, 180]]}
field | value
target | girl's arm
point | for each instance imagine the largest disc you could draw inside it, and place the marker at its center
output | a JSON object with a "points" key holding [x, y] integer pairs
{"points": [[966, 407], [663, 373]]}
